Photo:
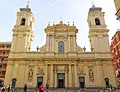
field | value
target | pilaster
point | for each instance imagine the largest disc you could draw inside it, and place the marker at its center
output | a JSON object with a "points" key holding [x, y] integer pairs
{"points": [[55, 79], [70, 76], [51, 75], [46, 77], [76, 77]]}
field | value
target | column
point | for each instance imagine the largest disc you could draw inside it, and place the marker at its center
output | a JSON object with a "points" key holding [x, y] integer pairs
{"points": [[15, 71], [51, 75], [70, 79], [53, 44], [48, 41], [69, 43], [45, 78], [74, 39], [100, 78], [55, 79], [9, 73], [76, 77]]}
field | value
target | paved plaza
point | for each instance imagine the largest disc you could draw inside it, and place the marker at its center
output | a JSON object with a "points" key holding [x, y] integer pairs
{"points": [[70, 90]]}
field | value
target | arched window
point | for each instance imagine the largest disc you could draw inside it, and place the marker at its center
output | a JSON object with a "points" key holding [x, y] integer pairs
{"points": [[97, 21], [61, 47], [23, 21]]}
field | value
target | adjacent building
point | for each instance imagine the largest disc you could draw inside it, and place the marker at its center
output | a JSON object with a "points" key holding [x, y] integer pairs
{"points": [[117, 5], [60, 63], [115, 50], [115, 45], [4, 53]]}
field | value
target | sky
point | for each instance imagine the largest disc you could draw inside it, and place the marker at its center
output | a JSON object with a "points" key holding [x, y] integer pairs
{"points": [[46, 11]]}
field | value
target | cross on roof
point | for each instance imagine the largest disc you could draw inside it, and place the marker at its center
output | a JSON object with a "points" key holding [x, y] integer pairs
{"points": [[27, 4], [93, 3]]}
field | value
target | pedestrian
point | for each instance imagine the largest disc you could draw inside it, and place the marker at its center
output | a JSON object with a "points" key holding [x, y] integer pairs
{"points": [[25, 88], [41, 88], [111, 87], [47, 87], [3, 89], [8, 88]]}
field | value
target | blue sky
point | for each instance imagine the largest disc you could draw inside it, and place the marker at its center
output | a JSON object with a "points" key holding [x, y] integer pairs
{"points": [[54, 11]]}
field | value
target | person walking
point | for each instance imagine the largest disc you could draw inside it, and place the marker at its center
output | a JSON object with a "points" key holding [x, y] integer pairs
{"points": [[41, 88], [47, 87], [111, 87], [8, 88], [25, 88], [3, 89]]}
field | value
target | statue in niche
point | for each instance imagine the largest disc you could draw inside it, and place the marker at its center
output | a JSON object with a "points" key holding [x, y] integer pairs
{"points": [[30, 74], [55, 68], [91, 74]]}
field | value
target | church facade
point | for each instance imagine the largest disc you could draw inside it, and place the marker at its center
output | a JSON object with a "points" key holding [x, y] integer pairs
{"points": [[60, 63]]}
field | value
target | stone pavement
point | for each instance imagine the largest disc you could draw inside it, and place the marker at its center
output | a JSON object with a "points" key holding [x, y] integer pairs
{"points": [[69, 90]]}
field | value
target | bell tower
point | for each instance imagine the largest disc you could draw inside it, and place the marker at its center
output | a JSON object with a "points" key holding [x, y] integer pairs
{"points": [[23, 31], [98, 34]]}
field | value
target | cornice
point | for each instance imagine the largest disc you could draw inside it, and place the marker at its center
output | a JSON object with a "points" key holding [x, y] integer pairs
{"points": [[42, 59], [24, 12], [61, 59], [98, 30]]}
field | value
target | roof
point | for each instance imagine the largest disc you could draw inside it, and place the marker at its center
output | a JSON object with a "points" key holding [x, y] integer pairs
{"points": [[5, 42], [27, 9], [93, 9]]}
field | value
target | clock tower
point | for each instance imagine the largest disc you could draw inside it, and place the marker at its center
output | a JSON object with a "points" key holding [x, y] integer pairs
{"points": [[23, 31], [98, 34], [21, 42]]}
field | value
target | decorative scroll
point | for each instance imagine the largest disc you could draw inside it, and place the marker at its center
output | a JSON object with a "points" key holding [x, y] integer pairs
{"points": [[40, 71], [66, 68], [81, 71]]}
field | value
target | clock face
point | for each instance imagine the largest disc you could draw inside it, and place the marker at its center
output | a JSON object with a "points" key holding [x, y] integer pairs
{"points": [[96, 14], [23, 14]]}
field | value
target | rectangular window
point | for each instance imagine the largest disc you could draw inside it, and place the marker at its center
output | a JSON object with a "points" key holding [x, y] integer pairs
{"points": [[2, 59], [117, 38], [0, 66], [114, 49], [3, 53], [119, 45], [5, 46], [0, 73], [116, 56]]}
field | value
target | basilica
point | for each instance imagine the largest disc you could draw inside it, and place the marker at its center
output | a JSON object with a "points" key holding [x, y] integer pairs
{"points": [[60, 63]]}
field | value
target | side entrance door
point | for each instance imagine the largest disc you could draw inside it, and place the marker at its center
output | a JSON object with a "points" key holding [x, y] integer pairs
{"points": [[82, 82], [39, 81]]}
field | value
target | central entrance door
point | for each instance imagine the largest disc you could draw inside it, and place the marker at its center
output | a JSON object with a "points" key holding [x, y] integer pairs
{"points": [[82, 82], [61, 80]]}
